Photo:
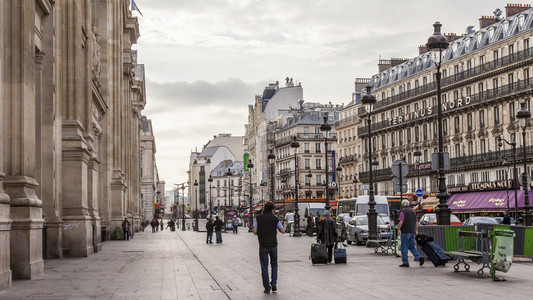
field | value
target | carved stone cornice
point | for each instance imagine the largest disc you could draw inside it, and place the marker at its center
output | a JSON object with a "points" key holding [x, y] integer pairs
{"points": [[457, 138]]}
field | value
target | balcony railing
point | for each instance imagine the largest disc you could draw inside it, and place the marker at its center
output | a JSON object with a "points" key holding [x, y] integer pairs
{"points": [[306, 137], [449, 80], [348, 159], [487, 95]]}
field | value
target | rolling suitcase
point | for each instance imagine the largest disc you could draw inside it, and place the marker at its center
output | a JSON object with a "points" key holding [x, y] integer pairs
{"points": [[339, 254], [435, 253], [319, 254]]}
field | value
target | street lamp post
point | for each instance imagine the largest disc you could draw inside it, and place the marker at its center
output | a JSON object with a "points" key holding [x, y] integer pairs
{"points": [[507, 166], [271, 157], [325, 127], [297, 231], [355, 181], [183, 207], [523, 115], [418, 154], [210, 197], [437, 44], [339, 170], [309, 176], [197, 203], [284, 181], [368, 100], [515, 172], [251, 211]]}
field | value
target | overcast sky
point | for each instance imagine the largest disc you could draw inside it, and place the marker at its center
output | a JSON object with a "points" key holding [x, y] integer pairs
{"points": [[205, 60]]}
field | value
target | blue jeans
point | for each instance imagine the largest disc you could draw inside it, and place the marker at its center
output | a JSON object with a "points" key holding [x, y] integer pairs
{"points": [[219, 236], [264, 252], [408, 244], [209, 237]]}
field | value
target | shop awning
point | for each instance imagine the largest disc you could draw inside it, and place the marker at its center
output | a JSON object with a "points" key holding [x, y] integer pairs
{"points": [[484, 201]]}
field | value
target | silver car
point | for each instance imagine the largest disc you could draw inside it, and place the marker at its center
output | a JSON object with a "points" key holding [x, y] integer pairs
{"points": [[357, 230]]}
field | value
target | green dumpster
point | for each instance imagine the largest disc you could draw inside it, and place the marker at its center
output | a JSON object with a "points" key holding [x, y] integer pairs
{"points": [[502, 251]]}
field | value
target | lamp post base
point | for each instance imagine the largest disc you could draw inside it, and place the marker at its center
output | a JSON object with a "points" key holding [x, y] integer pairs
{"points": [[527, 219], [297, 232]]}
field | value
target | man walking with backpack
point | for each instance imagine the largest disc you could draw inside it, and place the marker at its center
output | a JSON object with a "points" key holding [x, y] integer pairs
{"points": [[266, 226]]}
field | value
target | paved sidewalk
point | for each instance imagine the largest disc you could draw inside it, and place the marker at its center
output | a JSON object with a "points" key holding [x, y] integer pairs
{"points": [[179, 265]]}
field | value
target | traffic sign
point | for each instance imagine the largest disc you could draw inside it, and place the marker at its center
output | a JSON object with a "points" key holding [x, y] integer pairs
{"points": [[400, 166], [364, 187], [419, 193], [333, 184], [397, 188]]}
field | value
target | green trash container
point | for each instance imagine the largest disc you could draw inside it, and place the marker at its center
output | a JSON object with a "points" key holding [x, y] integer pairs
{"points": [[502, 251]]}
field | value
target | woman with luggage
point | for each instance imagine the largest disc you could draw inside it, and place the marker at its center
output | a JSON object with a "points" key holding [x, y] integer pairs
{"points": [[327, 233]]}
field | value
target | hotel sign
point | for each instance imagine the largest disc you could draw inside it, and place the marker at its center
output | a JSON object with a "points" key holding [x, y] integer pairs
{"points": [[421, 113], [483, 186]]}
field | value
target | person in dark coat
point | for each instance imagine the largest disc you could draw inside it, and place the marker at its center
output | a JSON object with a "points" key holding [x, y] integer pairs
{"points": [[209, 227], [506, 219], [218, 229], [310, 224], [153, 224], [327, 233], [126, 229]]}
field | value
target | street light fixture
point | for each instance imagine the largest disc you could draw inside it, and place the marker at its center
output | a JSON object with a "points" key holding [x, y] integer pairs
{"points": [[325, 127], [197, 203], [183, 207], [339, 170], [250, 165], [210, 180], [297, 231], [507, 166], [355, 181], [271, 157], [523, 115], [515, 171], [418, 154], [284, 181], [437, 44], [369, 100]]}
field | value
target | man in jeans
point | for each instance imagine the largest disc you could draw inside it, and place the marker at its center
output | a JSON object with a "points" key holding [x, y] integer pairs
{"points": [[265, 227], [408, 228], [126, 229]]}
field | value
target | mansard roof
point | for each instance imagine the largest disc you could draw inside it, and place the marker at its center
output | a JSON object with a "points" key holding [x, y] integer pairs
{"points": [[465, 45]]}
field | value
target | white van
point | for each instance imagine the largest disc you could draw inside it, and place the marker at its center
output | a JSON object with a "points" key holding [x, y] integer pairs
{"points": [[382, 207], [305, 208]]}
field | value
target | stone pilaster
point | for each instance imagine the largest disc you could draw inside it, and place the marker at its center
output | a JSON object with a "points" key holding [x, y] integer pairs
{"points": [[5, 226]]}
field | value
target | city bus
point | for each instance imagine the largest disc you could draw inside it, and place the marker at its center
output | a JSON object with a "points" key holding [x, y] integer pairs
{"points": [[344, 206]]}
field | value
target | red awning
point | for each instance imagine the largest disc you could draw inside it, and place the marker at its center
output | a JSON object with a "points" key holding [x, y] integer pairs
{"points": [[158, 206]]}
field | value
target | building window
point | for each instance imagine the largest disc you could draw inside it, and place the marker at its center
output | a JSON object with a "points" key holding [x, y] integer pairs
{"points": [[482, 119], [319, 163], [409, 135], [512, 112], [445, 127], [317, 148], [393, 139], [495, 55], [480, 89], [307, 148], [307, 163], [496, 111], [483, 146], [469, 122], [318, 179], [482, 59], [457, 125], [471, 148], [425, 132], [417, 133], [495, 84], [435, 130], [457, 150], [400, 137]]}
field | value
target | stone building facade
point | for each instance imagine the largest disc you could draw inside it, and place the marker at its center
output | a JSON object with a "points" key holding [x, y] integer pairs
{"points": [[486, 74], [71, 94]]}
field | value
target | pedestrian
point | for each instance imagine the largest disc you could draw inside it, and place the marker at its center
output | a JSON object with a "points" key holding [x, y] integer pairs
{"points": [[317, 222], [153, 225], [142, 225], [506, 219], [235, 225], [218, 229], [126, 229], [209, 227], [310, 224], [161, 224], [156, 225], [265, 226], [408, 228], [327, 233]]}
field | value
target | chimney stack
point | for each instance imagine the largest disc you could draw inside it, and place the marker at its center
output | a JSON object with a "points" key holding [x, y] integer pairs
{"points": [[422, 49], [513, 9], [451, 36], [485, 21]]}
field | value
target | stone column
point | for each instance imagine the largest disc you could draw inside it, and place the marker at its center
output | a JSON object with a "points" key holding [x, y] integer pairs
{"points": [[18, 79]]}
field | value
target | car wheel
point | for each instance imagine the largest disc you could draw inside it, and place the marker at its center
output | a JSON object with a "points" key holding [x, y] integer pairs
{"points": [[349, 242]]}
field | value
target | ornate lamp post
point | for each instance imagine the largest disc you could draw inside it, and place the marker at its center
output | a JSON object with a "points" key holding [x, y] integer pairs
{"points": [[297, 231], [183, 207], [325, 128], [515, 172], [197, 203], [437, 44], [271, 157], [368, 100], [507, 167], [339, 170], [309, 176], [523, 115], [251, 211], [284, 181], [210, 180], [355, 181], [418, 154]]}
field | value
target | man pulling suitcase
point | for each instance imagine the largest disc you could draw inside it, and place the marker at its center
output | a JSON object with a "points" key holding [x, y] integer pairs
{"points": [[408, 229]]}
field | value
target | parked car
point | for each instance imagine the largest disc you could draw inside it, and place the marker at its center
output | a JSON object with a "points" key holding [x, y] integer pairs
{"points": [[357, 230], [500, 220], [431, 219], [479, 219]]}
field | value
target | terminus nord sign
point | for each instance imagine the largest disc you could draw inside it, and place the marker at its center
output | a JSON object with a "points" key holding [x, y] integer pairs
{"points": [[421, 113]]}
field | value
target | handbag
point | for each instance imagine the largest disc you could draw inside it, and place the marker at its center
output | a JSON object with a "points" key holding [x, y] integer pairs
{"points": [[339, 254]]}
